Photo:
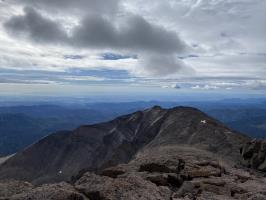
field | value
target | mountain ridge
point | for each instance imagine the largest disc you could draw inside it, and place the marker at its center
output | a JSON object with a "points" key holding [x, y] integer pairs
{"points": [[165, 154], [60, 156]]}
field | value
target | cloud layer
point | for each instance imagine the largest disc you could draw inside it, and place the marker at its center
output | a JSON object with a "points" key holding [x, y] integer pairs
{"points": [[193, 44]]}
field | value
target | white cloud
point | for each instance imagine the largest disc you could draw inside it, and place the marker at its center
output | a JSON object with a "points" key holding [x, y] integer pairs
{"points": [[205, 87]]}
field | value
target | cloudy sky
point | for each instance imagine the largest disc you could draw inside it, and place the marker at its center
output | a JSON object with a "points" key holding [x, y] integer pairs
{"points": [[132, 45]]}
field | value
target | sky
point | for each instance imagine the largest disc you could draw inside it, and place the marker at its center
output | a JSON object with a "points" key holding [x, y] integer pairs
{"points": [[132, 46]]}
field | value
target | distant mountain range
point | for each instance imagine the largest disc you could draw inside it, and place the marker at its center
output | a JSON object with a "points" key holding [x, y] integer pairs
{"points": [[251, 121], [21, 126]]}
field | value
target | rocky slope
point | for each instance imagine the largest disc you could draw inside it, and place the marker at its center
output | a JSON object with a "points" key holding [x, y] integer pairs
{"points": [[179, 153], [163, 173]]}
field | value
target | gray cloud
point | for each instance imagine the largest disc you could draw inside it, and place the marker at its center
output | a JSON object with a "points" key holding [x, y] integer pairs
{"points": [[161, 65], [135, 34], [96, 31], [140, 34], [35, 27]]}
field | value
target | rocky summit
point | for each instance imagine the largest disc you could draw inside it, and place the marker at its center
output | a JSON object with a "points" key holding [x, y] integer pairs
{"points": [[172, 154]]}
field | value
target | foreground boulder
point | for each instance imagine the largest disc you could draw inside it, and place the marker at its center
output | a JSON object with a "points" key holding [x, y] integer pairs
{"points": [[129, 187]]}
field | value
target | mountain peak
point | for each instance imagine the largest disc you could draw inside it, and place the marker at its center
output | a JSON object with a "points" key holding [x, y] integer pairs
{"points": [[156, 107]]}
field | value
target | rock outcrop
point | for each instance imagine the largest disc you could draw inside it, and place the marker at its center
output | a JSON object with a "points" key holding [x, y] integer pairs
{"points": [[254, 154]]}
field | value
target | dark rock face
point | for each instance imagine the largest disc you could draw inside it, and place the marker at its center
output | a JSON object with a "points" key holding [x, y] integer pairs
{"points": [[155, 167], [254, 154], [60, 156], [112, 172]]}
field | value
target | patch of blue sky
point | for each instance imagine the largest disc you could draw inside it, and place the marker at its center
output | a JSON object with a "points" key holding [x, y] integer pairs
{"points": [[73, 57], [188, 56], [73, 75], [105, 73], [113, 56]]}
